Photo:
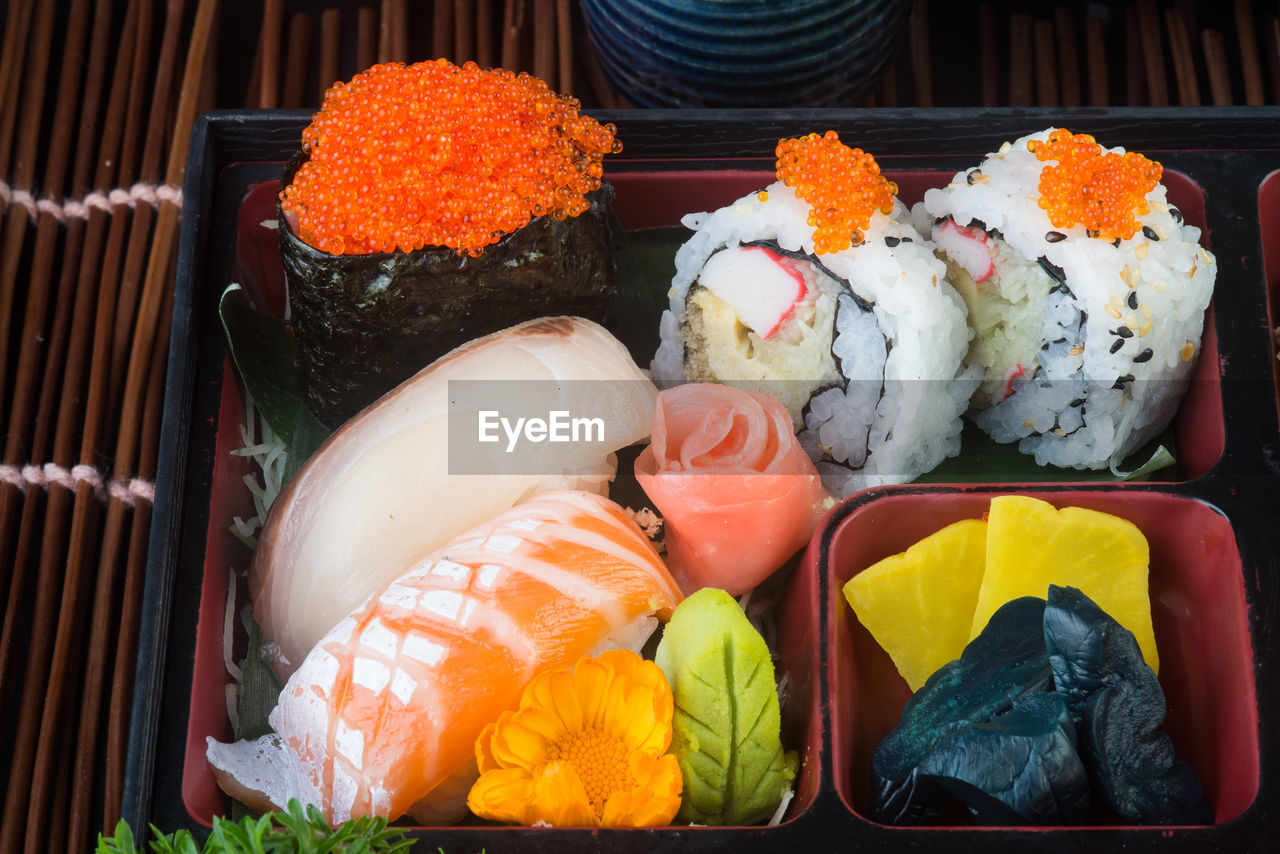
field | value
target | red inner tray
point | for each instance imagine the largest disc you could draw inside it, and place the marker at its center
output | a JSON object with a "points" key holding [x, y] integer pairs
{"points": [[1198, 610], [644, 199], [1269, 223]]}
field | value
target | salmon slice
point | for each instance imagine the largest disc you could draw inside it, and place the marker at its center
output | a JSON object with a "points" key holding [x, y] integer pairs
{"points": [[737, 493], [388, 705]]}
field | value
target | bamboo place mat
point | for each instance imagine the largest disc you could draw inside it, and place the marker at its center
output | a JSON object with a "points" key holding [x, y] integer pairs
{"points": [[97, 98]]}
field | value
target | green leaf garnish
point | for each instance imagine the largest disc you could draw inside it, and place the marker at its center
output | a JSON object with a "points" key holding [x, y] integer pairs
{"points": [[646, 265], [983, 460], [266, 359], [294, 831]]}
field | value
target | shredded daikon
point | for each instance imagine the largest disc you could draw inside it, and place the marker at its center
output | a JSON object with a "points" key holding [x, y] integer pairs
{"points": [[782, 808]]}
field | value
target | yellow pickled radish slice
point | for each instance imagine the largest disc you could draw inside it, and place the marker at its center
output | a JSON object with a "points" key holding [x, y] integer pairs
{"points": [[1031, 544], [919, 604]]}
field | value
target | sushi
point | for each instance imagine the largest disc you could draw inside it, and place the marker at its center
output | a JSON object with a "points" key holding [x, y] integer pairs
{"points": [[820, 291], [407, 230], [393, 483], [1086, 290], [388, 706]]}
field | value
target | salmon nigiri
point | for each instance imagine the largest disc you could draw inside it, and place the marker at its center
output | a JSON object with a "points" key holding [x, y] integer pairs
{"points": [[388, 705]]}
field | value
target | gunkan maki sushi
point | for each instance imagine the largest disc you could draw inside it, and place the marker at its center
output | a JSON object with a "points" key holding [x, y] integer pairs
{"points": [[432, 204], [820, 291], [1086, 290]]}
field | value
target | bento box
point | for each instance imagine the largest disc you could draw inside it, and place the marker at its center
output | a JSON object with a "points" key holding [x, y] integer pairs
{"points": [[1215, 574]]}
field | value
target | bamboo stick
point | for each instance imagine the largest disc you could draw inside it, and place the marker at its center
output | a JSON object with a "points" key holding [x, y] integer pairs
{"points": [[366, 37], [299, 59], [14, 52], [24, 160], [921, 74], [1184, 68], [1046, 65], [464, 31], [887, 89], [1247, 41], [512, 22], [1215, 60], [330, 50], [400, 32], [484, 33], [1064, 18], [989, 54], [564, 45], [1153, 54], [1020, 60], [442, 29], [12, 36], [385, 48], [1134, 79], [544, 41], [1096, 59], [272, 23], [1272, 40]]}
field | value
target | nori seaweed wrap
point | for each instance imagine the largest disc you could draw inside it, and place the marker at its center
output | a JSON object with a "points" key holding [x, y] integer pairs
{"points": [[366, 323], [432, 204]]}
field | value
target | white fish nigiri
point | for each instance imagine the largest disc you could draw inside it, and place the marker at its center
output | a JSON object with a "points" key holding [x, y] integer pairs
{"points": [[385, 710], [383, 491]]}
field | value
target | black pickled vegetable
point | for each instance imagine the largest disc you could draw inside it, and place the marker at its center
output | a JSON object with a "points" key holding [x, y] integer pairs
{"points": [[366, 323], [1116, 702], [1007, 660], [1032, 773]]}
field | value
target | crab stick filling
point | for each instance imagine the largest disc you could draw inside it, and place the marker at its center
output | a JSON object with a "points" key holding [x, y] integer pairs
{"points": [[762, 321]]}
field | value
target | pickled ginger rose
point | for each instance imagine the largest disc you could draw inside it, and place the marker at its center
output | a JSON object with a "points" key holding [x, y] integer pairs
{"points": [[737, 491]]}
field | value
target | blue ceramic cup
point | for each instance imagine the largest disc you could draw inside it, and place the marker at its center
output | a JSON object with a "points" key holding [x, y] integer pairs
{"points": [[745, 53]]}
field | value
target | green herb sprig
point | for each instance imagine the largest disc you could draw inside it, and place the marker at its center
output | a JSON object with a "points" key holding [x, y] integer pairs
{"points": [[295, 831]]}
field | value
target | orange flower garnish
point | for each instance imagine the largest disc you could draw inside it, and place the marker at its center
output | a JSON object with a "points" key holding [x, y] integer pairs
{"points": [[842, 185], [587, 747], [1103, 191], [433, 154]]}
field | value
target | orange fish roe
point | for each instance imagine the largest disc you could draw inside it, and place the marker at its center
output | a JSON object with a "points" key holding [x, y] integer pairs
{"points": [[1103, 191], [842, 185], [432, 154]]}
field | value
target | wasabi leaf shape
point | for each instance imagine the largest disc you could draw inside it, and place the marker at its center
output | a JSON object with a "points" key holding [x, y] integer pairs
{"points": [[727, 725]]}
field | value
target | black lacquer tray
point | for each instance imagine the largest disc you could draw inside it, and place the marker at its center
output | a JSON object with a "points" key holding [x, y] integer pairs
{"points": [[1212, 520]]}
